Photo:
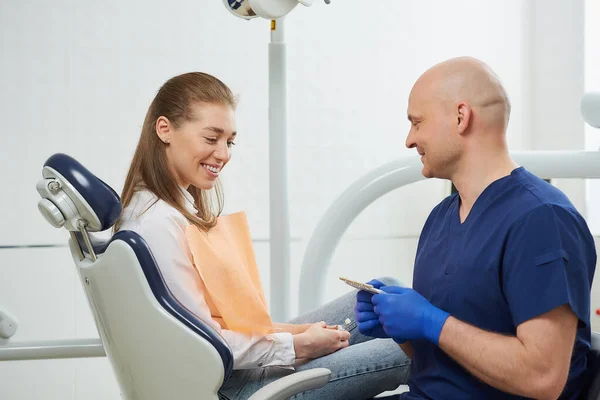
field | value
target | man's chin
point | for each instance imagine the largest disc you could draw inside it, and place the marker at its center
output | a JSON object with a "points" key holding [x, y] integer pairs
{"points": [[426, 173]]}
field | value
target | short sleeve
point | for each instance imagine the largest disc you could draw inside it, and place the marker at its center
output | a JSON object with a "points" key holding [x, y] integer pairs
{"points": [[549, 260]]}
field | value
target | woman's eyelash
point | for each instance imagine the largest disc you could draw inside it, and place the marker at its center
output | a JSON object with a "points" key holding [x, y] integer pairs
{"points": [[214, 140]]}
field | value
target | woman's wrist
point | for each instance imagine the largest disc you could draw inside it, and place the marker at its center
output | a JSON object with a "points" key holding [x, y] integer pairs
{"points": [[301, 344]]}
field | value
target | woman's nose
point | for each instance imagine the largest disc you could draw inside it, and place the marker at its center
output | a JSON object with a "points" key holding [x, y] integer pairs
{"points": [[222, 152]]}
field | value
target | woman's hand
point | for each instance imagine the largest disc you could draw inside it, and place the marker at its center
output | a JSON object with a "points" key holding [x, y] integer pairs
{"points": [[319, 340]]}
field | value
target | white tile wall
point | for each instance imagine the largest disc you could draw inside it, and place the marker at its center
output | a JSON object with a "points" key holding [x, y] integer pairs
{"points": [[42, 379], [94, 380], [37, 285]]}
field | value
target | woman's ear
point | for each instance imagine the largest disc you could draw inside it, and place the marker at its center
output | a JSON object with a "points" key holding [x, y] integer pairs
{"points": [[463, 117], [163, 129]]}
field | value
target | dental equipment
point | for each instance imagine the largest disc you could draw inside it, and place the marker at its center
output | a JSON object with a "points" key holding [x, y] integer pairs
{"points": [[268, 9], [8, 324], [590, 108]]}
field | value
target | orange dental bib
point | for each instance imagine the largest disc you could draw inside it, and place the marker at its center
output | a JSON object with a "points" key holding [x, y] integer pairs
{"points": [[224, 258]]}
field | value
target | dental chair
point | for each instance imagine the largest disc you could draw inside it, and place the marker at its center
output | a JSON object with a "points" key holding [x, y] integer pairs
{"points": [[157, 348]]}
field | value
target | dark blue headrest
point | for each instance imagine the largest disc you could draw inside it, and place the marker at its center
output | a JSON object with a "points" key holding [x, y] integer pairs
{"points": [[102, 198]]}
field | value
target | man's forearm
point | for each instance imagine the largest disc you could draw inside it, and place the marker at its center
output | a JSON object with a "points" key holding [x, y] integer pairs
{"points": [[501, 361]]}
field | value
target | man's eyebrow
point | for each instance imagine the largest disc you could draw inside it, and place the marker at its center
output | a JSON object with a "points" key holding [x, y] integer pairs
{"points": [[218, 130]]}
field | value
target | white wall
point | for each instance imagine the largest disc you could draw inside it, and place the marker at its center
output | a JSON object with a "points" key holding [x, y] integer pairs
{"points": [[592, 83], [77, 77], [556, 54]]}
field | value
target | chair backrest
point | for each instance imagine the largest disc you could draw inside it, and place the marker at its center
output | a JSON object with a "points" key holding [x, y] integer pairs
{"points": [[157, 348]]}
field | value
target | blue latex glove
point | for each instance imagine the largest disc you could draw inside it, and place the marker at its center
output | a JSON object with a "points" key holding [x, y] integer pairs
{"points": [[368, 321], [406, 315]]}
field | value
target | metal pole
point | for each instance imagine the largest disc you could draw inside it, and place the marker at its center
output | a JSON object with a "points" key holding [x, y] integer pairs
{"points": [[278, 168]]}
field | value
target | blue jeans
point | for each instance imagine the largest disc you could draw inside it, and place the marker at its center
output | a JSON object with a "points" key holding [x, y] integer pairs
{"points": [[360, 371]]}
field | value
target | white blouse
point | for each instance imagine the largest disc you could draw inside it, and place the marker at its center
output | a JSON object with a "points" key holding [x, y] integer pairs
{"points": [[163, 228]]}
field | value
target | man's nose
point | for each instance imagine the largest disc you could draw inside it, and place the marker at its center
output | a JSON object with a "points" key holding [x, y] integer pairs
{"points": [[410, 142]]}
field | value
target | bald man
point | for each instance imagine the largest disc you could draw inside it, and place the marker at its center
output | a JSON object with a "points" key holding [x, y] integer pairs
{"points": [[500, 305]]}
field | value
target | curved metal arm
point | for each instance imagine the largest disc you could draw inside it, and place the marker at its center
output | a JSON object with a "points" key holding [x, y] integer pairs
{"points": [[398, 173], [52, 349]]}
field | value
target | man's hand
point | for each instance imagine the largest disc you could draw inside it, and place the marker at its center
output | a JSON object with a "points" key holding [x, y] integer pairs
{"points": [[406, 315], [368, 321]]}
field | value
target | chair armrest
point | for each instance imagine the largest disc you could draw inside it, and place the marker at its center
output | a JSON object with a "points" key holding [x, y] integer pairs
{"points": [[292, 384]]}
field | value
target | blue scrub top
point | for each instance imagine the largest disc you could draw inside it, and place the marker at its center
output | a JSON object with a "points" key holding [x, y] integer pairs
{"points": [[522, 251]]}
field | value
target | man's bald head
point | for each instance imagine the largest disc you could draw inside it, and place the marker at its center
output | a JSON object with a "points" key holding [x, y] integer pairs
{"points": [[466, 79], [458, 109]]}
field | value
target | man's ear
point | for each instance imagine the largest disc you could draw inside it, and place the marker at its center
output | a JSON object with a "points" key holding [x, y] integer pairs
{"points": [[163, 129], [463, 119]]}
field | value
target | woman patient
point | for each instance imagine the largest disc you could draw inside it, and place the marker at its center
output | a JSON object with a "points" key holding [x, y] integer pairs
{"points": [[172, 198]]}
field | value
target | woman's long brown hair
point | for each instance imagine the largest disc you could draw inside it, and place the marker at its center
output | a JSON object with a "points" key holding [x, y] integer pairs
{"points": [[149, 168]]}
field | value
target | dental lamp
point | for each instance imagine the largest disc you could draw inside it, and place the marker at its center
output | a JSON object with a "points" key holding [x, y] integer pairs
{"points": [[590, 108], [268, 9]]}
